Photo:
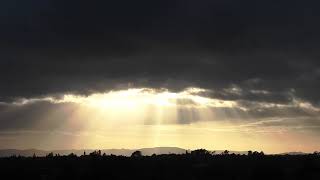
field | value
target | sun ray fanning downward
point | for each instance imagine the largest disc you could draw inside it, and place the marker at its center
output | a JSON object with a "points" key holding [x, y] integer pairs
{"points": [[144, 117]]}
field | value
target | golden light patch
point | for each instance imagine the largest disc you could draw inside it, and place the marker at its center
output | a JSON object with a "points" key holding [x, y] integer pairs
{"points": [[145, 96]]}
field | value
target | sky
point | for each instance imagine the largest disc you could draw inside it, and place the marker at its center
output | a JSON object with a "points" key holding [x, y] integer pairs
{"points": [[214, 74]]}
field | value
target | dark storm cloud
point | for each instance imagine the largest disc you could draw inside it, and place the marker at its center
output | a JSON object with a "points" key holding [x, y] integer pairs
{"points": [[51, 47]]}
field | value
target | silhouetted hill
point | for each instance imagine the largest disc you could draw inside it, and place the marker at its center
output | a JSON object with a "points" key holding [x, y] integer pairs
{"points": [[26, 152], [162, 150], [294, 153]]}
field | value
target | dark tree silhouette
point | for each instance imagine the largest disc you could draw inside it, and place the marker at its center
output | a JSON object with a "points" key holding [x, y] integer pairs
{"points": [[200, 152], [136, 154], [50, 155], [72, 155], [225, 152], [198, 164], [95, 153]]}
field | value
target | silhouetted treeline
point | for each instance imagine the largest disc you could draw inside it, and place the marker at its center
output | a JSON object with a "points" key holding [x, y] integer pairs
{"points": [[198, 164]]}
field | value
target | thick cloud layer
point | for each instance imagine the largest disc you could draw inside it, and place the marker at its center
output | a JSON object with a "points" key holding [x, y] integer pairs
{"points": [[239, 50]]}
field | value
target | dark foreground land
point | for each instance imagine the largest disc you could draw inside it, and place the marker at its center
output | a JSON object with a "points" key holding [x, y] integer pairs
{"points": [[195, 165]]}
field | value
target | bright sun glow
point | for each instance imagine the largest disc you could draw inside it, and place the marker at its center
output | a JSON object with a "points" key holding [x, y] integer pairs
{"points": [[132, 98]]}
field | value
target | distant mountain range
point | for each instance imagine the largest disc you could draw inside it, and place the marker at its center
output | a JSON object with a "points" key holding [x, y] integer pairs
{"points": [[124, 152], [294, 153]]}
